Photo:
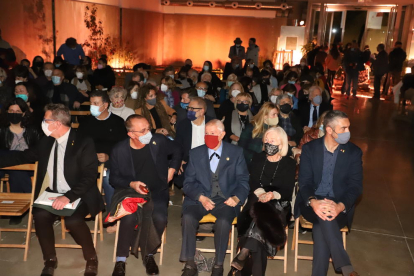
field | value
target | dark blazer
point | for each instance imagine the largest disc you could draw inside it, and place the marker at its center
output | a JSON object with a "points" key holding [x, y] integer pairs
{"points": [[380, 64], [181, 113], [184, 135], [347, 181], [304, 111], [122, 166], [80, 168], [233, 174]]}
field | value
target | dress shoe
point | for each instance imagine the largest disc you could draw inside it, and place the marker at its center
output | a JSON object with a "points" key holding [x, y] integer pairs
{"points": [[354, 273], [50, 266], [217, 270], [200, 238], [189, 270], [91, 268], [150, 265], [119, 269]]}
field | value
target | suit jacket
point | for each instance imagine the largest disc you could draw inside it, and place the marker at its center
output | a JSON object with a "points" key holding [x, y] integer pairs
{"points": [[240, 56], [185, 135], [80, 168], [304, 111], [233, 174], [347, 180], [122, 166]]}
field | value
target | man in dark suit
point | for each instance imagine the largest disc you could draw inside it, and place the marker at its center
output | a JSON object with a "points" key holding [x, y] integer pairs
{"points": [[216, 182], [190, 133], [237, 52], [72, 158], [310, 111], [142, 163], [330, 182]]}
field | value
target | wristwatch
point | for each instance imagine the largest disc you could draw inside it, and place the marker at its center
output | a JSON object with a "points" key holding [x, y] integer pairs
{"points": [[309, 200]]}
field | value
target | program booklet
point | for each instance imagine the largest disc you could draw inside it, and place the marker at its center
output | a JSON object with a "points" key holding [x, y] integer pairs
{"points": [[44, 202]]}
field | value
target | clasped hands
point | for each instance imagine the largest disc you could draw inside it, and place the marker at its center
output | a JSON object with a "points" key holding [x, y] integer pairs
{"points": [[327, 209], [209, 205]]}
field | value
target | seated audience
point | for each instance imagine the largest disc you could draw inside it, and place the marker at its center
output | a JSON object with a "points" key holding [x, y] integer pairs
{"points": [[232, 67], [224, 92], [273, 94], [288, 120], [211, 189], [290, 90], [64, 92], [193, 76], [44, 81], [201, 90], [169, 91], [268, 66], [181, 108], [310, 111], [132, 95], [183, 80], [227, 106], [117, 96], [272, 180], [252, 66], [81, 81], [208, 68]]}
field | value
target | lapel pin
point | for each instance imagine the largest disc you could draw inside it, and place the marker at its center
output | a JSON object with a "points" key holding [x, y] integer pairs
{"points": [[154, 142], [342, 150], [73, 142], [228, 159]]}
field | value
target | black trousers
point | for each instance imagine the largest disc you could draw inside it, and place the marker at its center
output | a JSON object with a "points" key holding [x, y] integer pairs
{"points": [[190, 220], [75, 224], [331, 77], [327, 240], [128, 223], [377, 85], [257, 263]]}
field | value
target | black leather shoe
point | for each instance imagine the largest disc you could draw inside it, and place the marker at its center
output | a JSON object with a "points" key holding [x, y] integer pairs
{"points": [[119, 269], [50, 266], [189, 271], [151, 266], [217, 270], [91, 267]]}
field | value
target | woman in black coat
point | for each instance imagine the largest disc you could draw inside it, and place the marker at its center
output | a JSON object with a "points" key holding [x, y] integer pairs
{"points": [[261, 224]]}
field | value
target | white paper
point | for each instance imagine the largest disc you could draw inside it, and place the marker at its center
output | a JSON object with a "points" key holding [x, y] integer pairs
{"points": [[44, 200], [7, 201]]}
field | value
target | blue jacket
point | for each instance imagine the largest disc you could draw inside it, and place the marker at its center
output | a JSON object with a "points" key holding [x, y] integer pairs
{"points": [[233, 174], [347, 180]]}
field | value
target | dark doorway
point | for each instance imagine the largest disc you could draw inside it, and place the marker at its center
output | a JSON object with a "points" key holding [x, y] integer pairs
{"points": [[354, 26]]}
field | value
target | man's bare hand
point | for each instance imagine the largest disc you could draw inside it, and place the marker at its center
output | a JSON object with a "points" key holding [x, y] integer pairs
{"points": [[171, 173], [334, 209], [181, 170], [207, 203], [321, 208], [102, 157], [230, 202], [138, 186], [59, 202]]}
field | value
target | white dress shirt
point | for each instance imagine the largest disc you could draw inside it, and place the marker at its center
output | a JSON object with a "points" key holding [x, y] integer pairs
{"points": [[198, 134], [62, 185]]}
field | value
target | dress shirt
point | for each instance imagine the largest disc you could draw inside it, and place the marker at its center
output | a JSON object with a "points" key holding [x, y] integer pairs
{"points": [[197, 138], [325, 188], [215, 160], [310, 124], [62, 185]]}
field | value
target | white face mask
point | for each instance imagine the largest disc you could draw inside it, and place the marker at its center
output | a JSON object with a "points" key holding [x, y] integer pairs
{"points": [[45, 128], [234, 93], [146, 139], [172, 76], [79, 75], [134, 95], [273, 99], [164, 87], [48, 73], [18, 81]]}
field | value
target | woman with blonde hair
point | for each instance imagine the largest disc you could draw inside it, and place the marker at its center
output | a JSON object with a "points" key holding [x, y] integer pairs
{"points": [[224, 92], [251, 136], [261, 224], [236, 121], [160, 116]]}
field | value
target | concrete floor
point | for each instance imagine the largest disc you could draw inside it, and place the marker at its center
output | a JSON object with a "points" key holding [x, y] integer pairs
{"points": [[382, 238]]}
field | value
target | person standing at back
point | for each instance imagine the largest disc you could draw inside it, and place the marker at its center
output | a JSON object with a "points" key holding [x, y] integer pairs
{"points": [[72, 51], [380, 66], [253, 51], [350, 61], [237, 52], [396, 59]]}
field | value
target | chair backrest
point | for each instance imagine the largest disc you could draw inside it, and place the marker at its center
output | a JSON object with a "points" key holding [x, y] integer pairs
{"points": [[101, 169], [74, 125], [79, 113], [86, 103]]}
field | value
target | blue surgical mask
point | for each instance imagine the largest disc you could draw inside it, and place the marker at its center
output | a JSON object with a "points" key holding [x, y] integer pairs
{"points": [[229, 83], [321, 128], [292, 82], [184, 105], [201, 93], [290, 94], [206, 67], [56, 80], [343, 138], [24, 97], [57, 65], [145, 80], [191, 115], [95, 110], [317, 99], [145, 139]]}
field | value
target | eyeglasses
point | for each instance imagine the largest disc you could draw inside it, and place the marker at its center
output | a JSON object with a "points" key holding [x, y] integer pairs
{"points": [[193, 108], [202, 88], [245, 102]]}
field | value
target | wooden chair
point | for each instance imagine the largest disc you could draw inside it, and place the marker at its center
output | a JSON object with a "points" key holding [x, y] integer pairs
{"points": [[285, 250], [98, 219], [5, 180], [74, 125], [159, 250], [79, 113], [209, 218], [295, 240], [86, 103], [16, 204]]}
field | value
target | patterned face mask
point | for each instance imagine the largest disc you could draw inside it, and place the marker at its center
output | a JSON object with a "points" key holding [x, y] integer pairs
{"points": [[270, 149]]}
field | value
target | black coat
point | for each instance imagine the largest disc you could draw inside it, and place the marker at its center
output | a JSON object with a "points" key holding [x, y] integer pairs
{"points": [[380, 64], [122, 166], [104, 77], [80, 168], [304, 111], [396, 59], [31, 136], [347, 180]]}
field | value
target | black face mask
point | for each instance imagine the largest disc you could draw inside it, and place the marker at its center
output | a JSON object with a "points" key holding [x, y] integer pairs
{"points": [[270, 149], [286, 108], [38, 64], [242, 107], [14, 118]]}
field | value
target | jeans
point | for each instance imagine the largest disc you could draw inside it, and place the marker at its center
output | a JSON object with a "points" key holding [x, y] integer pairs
{"points": [[108, 189]]}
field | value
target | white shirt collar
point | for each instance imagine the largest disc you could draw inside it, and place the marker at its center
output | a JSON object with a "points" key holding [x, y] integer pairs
{"points": [[64, 138]]}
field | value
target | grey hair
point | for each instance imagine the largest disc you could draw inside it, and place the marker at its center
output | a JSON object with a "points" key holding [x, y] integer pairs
{"points": [[193, 73], [313, 88], [282, 136], [117, 89], [331, 117], [283, 96], [60, 113], [219, 124], [206, 75]]}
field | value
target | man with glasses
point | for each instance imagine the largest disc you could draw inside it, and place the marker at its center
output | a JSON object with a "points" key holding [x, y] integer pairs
{"points": [[106, 129], [190, 132], [202, 89], [150, 170], [67, 165]]}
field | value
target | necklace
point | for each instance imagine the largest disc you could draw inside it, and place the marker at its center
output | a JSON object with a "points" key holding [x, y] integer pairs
{"points": [[274, 174]]}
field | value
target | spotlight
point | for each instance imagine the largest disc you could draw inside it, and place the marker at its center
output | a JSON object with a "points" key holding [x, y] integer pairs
{"points": [[190, 3], [234, 5], [212, 4], [166, 2], [334, 31], [302, 23], [258, 5]]}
